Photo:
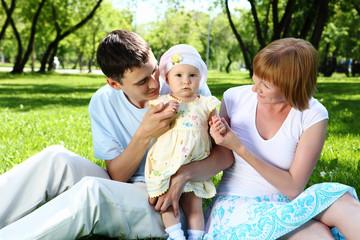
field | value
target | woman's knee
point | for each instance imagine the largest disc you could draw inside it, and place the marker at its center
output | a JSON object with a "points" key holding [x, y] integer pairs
{"points": [[312, 230]]}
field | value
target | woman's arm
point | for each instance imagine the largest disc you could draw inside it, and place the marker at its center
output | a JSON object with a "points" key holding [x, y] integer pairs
{"points": [[291, 182]]}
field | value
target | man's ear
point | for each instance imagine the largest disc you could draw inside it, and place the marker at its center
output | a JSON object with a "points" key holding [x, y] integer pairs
{"points": [[114, 84]]}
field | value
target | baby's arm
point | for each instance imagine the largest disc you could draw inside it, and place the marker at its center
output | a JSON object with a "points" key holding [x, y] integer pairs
{"points": [[216, 124]]}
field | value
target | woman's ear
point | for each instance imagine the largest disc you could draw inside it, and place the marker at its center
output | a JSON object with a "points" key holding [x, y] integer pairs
{"points": [[114, 84]]}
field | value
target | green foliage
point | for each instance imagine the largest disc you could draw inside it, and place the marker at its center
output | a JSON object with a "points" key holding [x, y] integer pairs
{"points": [[342, 32], [179, 26]]}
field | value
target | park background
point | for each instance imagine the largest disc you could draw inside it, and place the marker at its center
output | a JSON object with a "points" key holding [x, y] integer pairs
{"points": [[42, 103]]}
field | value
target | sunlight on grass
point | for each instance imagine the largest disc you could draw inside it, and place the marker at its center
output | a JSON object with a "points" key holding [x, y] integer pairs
{"points": [[37, 111]]}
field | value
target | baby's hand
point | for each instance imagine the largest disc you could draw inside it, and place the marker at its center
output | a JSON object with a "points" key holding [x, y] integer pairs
{"points": [[217, 125], [171, 106]]}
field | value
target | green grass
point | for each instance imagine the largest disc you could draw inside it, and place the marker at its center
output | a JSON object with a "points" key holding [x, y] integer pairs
{"points": [[42, 110]]}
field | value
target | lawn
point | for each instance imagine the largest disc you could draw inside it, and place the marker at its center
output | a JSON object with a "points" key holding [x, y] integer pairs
{"points": [[42, 110]]}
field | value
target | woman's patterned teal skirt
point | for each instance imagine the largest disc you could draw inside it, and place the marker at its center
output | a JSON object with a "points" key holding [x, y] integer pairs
{"points": [[270, 216]]}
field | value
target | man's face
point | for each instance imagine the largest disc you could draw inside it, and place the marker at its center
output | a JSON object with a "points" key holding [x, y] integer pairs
{"points": [[141, 84]]}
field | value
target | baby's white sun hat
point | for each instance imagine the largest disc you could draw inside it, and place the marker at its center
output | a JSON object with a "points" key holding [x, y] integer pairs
{"points": [[182, 54]]}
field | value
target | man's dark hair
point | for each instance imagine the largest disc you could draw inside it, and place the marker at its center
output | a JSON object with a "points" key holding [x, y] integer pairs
{"points": [[120, 51]]}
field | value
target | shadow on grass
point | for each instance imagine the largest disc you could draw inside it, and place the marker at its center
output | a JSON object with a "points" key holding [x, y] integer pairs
{"points": [[38, 96], [33, 91]]}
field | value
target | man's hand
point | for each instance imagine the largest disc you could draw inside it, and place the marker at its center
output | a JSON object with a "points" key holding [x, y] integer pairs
{"points": [[156, 121], [172, 196]]}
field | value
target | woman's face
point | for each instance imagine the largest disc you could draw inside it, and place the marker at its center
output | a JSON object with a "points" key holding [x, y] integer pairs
{"points": [[267, 92]]}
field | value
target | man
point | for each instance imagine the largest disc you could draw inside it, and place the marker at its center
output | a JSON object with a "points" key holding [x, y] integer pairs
{"points": [[122, 127]]}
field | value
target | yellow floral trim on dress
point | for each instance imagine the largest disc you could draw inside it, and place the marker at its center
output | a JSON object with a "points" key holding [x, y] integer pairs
{"points": [[195, 101]]}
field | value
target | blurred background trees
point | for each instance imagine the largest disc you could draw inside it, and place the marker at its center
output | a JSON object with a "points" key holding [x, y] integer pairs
{"points": [[33, 32]]}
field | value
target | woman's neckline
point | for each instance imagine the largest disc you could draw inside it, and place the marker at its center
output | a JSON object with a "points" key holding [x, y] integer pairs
{"points": [[289, 112]]}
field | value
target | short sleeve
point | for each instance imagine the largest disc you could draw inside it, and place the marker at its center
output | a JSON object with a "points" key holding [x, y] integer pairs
{"points": [[316, 113], [160, 99], [212, 102], [106, 146]]}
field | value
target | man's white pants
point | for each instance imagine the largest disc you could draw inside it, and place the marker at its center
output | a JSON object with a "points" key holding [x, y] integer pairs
{"points": [[83, 200]]}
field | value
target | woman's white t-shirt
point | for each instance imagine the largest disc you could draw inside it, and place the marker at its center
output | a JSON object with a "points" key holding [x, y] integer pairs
{"points": [[241, 178]]}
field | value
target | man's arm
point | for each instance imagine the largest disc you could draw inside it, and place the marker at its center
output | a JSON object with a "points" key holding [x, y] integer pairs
{"points": [[155, 122], [219, 159]]}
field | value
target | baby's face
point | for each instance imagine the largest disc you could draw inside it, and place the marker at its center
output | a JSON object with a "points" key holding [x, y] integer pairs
{"points": [[184, 81]]}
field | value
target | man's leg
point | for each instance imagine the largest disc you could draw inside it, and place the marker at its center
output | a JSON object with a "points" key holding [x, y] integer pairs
{"points": [[41, 178], [93, 205]]}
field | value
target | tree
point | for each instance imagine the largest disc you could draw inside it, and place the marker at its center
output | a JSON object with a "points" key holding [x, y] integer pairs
{"points": [[246, 56], [224, 49], [61, 33], [8, 12], [81, 45], [340, 41], [312, 18], [21, 61], [179, 26], [20, 58]]}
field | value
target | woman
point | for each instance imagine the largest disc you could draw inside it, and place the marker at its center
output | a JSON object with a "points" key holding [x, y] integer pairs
{"points": [[277, 133]]}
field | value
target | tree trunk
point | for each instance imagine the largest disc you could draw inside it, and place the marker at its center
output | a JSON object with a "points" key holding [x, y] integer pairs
{"points": [[20, 60], [229, 63], [266, 25], [45, 58], [257, 23], [320, 23], [81, 61], [310, 17], [33, 57], [281, 28], [55, 43], [16, 68], [276, 26], [32, 35], [239, 39], [7, 21], [286, 19], [52, 57], [91, 60]]}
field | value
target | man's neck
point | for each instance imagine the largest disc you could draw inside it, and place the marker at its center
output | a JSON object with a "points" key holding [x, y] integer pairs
{"points": [[140, 105]]}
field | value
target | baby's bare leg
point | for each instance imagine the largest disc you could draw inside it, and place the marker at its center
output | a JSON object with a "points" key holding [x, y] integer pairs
{"points": [[172, 224], [192, 206], [169, 218]]}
